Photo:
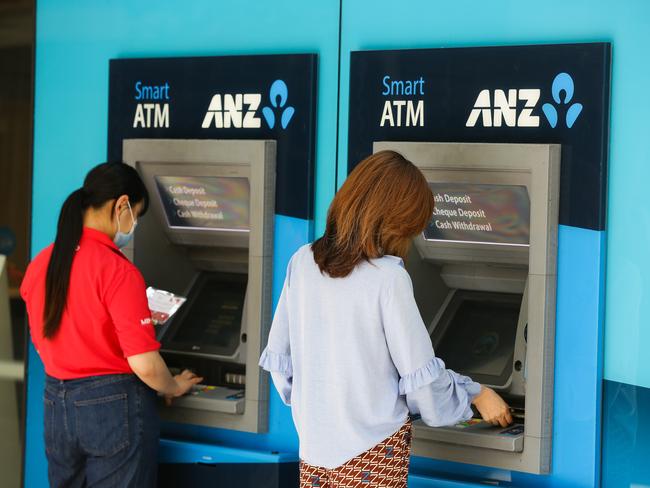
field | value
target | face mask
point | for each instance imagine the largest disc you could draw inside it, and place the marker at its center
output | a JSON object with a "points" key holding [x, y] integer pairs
{"points": [[121, 239]]}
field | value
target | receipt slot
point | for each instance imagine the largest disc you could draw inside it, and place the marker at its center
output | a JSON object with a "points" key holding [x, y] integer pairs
{"points": [[484, 277], [210, 239]]}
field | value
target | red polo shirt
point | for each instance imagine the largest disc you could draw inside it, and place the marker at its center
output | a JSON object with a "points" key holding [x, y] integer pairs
{"points": [[107, 318]]}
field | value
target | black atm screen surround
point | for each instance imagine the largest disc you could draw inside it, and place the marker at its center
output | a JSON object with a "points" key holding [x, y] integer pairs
{"points": [[476, 335], [210, 321]]}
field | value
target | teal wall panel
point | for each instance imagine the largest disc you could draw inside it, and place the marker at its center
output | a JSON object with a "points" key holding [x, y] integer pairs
{"points": [[74, 41]]}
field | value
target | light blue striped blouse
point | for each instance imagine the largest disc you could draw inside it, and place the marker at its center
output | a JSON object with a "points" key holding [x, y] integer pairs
{"points": [[352, 357]]}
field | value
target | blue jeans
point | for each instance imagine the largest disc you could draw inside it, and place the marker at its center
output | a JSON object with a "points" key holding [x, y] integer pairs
{"points": [[101, 431]]}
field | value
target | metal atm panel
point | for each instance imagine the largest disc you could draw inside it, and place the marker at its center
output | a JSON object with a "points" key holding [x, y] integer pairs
{"points": [[219, 255], [507, 274]]}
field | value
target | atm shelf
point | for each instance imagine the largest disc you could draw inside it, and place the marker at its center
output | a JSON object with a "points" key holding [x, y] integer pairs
{"points": [[476, 434], [213, 399]]}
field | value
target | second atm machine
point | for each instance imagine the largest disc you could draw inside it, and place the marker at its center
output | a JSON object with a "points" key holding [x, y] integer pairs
{"points": [[484, 277], [210, 239]]}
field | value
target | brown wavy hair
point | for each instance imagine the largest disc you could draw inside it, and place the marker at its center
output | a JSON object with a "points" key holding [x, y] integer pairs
{"points": [[384, 203]]}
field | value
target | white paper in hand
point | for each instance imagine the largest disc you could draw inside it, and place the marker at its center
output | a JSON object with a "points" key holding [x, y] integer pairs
{"points": [[163, 304]]}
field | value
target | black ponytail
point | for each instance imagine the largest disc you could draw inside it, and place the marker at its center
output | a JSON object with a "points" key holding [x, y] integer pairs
{"points": [[107, 181], [57, 278]]}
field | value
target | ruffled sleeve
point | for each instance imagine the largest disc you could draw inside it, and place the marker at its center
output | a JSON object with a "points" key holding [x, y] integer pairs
{"points": [[472, 387], [439, 395], [423, 376], [274, 362], [276, 357]]}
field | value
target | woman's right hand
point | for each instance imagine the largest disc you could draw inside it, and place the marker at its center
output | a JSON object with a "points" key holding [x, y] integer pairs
{"points": [[184, 381], [492, 407]]}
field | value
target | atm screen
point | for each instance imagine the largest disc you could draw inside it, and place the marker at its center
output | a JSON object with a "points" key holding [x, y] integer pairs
{"points": [[480, 214], [479, 335], [205, 202], [210, 321]]}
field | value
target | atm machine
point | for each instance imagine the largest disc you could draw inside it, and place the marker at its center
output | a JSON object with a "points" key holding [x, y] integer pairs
{"points": [[484, 277], [209, 238]]}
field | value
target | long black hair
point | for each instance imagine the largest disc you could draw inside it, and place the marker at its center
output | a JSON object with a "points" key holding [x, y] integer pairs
{"points": [[105, 182]]}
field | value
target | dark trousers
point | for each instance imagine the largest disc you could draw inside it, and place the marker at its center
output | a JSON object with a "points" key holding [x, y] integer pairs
{"points": [[101, 431]]}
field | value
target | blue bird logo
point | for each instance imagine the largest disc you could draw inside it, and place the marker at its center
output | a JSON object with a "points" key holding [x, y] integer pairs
{"points": [[278, 94], [562, 83]]}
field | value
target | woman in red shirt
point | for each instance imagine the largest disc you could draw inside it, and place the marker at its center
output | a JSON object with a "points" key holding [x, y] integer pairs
{"points": [[91, 325]]}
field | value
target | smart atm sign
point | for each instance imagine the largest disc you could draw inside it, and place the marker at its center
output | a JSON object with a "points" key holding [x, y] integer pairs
{"points": [[224, 97], [152, 108], [404, 105], [508, 94]]}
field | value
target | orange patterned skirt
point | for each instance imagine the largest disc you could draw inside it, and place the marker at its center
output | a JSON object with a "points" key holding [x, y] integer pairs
{"points": [[384, 466]]}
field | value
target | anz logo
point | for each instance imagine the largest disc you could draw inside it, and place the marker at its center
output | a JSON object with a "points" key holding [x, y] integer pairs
{"points": [[500, 109], [240, 110], [562, 83], [514, 108], [279, 95]]}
